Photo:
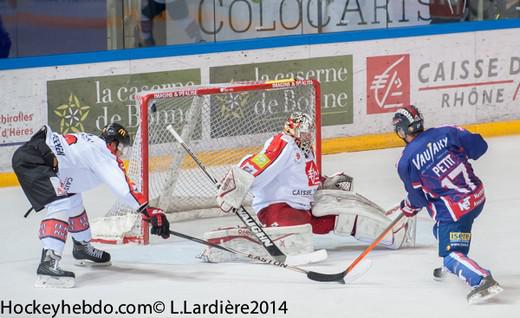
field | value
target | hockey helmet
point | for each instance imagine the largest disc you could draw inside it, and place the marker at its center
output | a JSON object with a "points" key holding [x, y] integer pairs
{"points": [[115, 132], [301, 127], [408, 121]]}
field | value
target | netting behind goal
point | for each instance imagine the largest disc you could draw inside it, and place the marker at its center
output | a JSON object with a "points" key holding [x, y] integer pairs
{"points": [[221, 123]]}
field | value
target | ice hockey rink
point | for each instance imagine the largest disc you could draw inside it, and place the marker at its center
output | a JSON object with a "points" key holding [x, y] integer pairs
{"points": [[398, 284]]}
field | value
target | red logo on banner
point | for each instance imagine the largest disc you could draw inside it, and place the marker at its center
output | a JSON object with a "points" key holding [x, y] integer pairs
{"points": [[388, 83]]}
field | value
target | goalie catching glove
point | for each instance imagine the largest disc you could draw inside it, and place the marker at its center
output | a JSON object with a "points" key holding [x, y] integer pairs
{"points": [[338, 181], [158, 221], [233, 189]]}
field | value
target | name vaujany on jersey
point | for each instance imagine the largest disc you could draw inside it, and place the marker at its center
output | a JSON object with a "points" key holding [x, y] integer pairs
{"points": [[428, 154]]}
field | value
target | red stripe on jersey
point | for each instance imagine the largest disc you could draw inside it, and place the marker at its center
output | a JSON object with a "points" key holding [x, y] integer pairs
{"points": [[261, 161], [131, 186]]}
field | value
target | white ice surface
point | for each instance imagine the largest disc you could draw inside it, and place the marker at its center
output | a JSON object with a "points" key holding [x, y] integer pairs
{"points": [[399, 284]]}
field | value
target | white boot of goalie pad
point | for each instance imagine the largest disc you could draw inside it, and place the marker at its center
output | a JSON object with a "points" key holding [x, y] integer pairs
{"points": [[353, 209], [292, 240], [367, 230]]}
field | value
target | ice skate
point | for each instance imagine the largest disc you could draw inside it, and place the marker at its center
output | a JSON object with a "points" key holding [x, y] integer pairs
{"points": [[439, 273], [87, 255], [487, 289], [49, 274]]}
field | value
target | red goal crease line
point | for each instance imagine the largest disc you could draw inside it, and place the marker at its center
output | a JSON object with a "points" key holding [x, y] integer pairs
{"points": [[430, 88]]}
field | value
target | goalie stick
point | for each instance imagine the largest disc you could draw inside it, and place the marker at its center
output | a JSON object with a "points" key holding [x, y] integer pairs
{"points": [[315, 276], [250, 222]]}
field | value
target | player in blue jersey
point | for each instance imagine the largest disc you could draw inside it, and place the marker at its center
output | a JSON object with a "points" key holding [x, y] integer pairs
{"points": [[436, 173]]}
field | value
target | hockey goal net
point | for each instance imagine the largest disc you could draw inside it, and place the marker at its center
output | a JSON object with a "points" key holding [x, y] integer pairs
{"points": [[221, 123]]}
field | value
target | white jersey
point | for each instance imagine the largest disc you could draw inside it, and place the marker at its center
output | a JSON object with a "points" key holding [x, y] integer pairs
{"points": [[85, 162], [282, 174]]}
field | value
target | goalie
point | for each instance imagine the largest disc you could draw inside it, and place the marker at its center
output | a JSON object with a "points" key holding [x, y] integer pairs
{"points": [[293, 201], [53, 171]]}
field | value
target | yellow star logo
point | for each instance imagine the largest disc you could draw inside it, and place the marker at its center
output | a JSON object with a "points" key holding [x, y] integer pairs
{"points": [[231, 105], [72, 115]]}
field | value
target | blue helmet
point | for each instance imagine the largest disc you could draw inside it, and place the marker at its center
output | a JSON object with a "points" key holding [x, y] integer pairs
{"points": [[408, 121]]}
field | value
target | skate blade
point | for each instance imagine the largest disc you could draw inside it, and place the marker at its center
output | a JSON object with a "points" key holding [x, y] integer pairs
{"points": [[490, 293], [45, 281], [87, 263], [302, 259]]}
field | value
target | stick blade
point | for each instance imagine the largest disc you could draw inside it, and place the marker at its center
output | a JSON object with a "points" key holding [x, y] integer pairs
{"points": [[320, 277], [343, 277]]}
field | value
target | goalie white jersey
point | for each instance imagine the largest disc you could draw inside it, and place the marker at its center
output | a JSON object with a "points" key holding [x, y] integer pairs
{"points": [[283, 173], [85, 162]]}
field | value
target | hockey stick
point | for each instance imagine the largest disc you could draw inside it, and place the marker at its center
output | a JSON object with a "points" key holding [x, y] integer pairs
{"points": [[320, 277], [242, 213], [336, 277]]}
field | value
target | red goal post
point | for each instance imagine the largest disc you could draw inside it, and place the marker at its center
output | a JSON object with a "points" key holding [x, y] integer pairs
{"points": [[221, 123]]}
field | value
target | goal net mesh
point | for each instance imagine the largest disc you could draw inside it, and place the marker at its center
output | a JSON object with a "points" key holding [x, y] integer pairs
{"points": [[221, 124]]}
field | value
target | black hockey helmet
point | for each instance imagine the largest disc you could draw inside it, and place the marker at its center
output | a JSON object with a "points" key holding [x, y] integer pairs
{"points": [[408, 121], [115, 132]]}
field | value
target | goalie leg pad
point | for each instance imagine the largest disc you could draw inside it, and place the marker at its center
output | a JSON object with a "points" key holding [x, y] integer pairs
{"points": [[362, 218], [292, 240]]}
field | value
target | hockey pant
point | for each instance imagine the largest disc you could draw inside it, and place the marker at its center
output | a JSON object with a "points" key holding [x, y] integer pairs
{"points": [[282, 214], [454, 243], [35, 168], [362, 219], [64, 216]]}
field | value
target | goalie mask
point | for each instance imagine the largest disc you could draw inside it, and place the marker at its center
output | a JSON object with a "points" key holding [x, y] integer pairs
{"points": [[300, 126], [119, 134]]}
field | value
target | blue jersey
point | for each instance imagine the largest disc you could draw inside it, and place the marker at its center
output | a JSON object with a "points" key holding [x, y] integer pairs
{"points": [[436, 173]]}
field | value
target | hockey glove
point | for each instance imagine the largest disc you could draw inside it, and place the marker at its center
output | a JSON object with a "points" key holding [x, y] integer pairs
{"points": [[408, 209], [159, 222], [338, 181], [233, 189]]}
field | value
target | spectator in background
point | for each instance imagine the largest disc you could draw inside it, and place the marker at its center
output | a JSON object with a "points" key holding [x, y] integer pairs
{"points": [[445, 11], [493, 9], [510, 10], [5, 41], [177, 10]]}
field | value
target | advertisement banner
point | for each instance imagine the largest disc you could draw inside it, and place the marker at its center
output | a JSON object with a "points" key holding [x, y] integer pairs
{"points": [[334, 74], [242, 19], [88, 104], [388, 83]]}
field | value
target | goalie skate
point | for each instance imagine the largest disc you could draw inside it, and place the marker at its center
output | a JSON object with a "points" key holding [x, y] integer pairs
{"points": [[49, 274], [488, 288]]}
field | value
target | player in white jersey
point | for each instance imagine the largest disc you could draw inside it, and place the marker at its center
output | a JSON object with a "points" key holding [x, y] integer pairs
{"points": [[53, 171], [289, 193]]}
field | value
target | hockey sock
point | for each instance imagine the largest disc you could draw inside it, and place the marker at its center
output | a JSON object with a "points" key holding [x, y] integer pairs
{"points": [[53, 234], [79, 227], [465, 268]]}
